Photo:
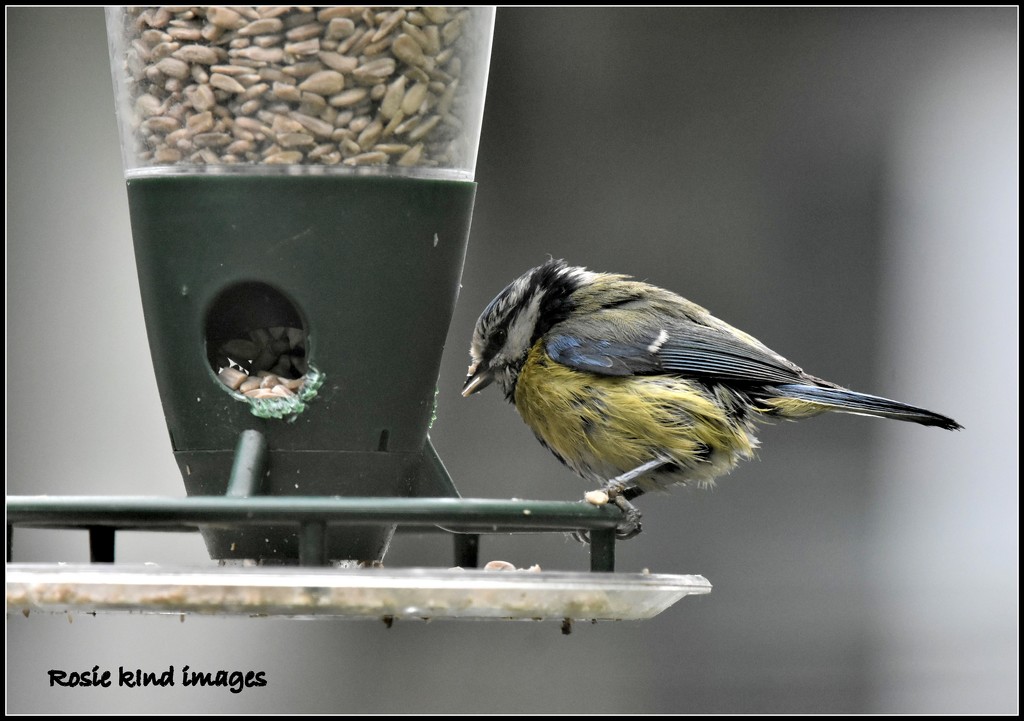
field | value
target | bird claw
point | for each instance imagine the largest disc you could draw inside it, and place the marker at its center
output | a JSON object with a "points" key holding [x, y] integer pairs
{"points": [[630, 527]]}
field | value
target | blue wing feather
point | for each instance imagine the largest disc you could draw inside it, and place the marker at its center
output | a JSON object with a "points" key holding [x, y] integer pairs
{"points": [[693, 351]]}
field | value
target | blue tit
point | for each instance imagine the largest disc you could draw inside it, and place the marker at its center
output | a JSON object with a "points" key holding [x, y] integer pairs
{"points": [[635, 388]]}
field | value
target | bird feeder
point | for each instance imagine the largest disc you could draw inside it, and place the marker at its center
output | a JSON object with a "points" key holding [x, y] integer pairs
{"points": [[300, 184]]}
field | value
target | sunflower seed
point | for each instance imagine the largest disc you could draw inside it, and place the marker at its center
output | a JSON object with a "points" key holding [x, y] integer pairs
{"points": [[338, 28], [347, 98], [295, 140], [325, 82], [200, 123], [161, 124], [374, 71], [303, 47], [225, 18], [288, 157], [186, 34], [371, 158], [167, 155], [226, 82], [370, 134], [499, 566], [173, 67], [316, 126], [414, 98], [421, 130], [412, 157], [264, 26], [392, 101], [259, 54], [287, 92], [232, 378], [304, 32], [341, 63], [408, 50]]}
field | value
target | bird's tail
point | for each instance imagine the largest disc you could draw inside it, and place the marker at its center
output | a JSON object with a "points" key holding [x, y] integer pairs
{"points": [[797, 400]]}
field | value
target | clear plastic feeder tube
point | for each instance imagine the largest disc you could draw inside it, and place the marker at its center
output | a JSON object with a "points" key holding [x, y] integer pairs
{"points": [[300, 90]]}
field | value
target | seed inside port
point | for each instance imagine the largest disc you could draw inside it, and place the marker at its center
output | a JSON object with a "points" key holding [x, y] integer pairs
{"points": [[256, 343]]}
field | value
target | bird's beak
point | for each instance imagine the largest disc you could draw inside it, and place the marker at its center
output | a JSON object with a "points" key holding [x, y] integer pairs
{"points": [[478, 378]]}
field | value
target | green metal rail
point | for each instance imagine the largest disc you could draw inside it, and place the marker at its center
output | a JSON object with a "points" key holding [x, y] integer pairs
{"points": [[464, 517]]}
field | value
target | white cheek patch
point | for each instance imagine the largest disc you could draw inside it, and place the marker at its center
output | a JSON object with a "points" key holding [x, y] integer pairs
{"points": [[518, 342]]}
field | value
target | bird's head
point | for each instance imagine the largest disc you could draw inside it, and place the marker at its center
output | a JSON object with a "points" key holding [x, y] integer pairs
{"points": [[517, 317]]}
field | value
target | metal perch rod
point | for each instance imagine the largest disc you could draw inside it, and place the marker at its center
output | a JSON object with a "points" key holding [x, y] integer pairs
{"points": [[312, 514]]}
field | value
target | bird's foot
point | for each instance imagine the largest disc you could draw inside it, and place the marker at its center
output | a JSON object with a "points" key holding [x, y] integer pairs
{"points": [[627, 528], [620, 491]]}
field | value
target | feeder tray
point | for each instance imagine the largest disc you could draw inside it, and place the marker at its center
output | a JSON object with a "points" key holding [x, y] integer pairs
{"points": [[308, 591], [388, 594]]}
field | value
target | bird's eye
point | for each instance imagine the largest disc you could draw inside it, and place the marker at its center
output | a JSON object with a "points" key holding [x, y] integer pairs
{"points": [[500, 336]]}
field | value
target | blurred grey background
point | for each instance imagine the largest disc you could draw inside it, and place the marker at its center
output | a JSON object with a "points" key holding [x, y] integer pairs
{"points": [[841, 183]]}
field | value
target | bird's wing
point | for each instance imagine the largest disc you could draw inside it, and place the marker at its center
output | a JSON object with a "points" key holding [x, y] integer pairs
{"points": [[712, 351]]}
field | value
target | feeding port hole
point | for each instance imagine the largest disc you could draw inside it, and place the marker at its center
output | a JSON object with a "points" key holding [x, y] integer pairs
{"points": [[257, 345]]}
